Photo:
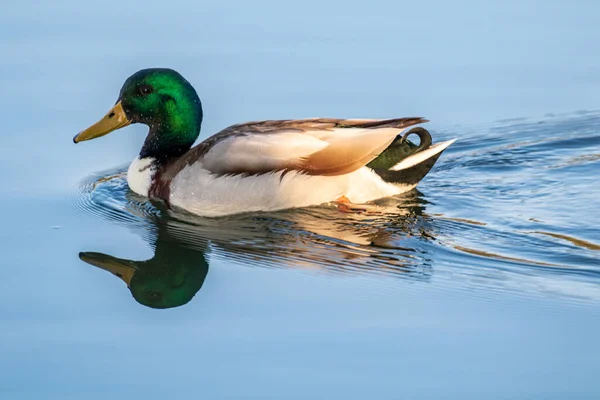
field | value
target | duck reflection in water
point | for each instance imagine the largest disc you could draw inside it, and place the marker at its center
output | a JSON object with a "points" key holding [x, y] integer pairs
{"points": [[389, 237], [169, 279]]}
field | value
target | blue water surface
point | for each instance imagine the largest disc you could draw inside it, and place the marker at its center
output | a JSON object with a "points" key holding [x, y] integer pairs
{"points": [[482, 283]]}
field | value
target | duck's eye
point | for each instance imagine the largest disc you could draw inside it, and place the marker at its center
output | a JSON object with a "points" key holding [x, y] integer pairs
{"points": [[145, 90]]}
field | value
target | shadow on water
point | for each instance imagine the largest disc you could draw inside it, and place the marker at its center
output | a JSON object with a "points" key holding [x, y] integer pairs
{"points": [[510, 207]]}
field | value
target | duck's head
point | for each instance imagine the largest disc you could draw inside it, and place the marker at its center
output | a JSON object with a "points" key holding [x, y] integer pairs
{"points": [[162, 99]]}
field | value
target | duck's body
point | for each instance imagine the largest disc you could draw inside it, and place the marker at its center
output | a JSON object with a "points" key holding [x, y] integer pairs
{"points": [[258, 166], [200, 191]]}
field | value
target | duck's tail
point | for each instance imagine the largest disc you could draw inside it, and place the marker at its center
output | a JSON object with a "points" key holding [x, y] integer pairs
{"points": [[405, 163]]}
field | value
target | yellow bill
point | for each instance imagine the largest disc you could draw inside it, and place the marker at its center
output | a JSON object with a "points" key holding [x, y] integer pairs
{"points": [[124, 269], [113, 120]]}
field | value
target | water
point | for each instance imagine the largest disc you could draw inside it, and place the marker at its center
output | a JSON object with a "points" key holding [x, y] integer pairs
{"points": [[483, 283]]}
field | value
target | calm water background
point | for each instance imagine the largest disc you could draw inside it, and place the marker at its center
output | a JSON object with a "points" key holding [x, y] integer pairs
{"points": [[484, 283]]}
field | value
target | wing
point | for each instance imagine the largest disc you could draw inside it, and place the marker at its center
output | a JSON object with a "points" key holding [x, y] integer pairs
{"points": [[313, 146]]}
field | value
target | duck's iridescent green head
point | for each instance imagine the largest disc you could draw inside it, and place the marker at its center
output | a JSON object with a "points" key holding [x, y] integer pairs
{"points": [[162, 99]]}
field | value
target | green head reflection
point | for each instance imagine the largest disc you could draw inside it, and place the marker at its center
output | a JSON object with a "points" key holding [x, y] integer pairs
{"points": [[169, 279]]}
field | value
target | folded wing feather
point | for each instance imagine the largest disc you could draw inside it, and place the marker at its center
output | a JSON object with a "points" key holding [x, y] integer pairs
{"points": [[313, 146]]}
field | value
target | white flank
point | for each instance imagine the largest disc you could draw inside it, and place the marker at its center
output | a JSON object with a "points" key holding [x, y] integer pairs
{"points": [[199, 191], [139, 175], [422, 155]]}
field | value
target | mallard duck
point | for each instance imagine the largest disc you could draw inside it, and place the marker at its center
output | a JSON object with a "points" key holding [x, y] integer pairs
{"points": [[259, 166]]}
